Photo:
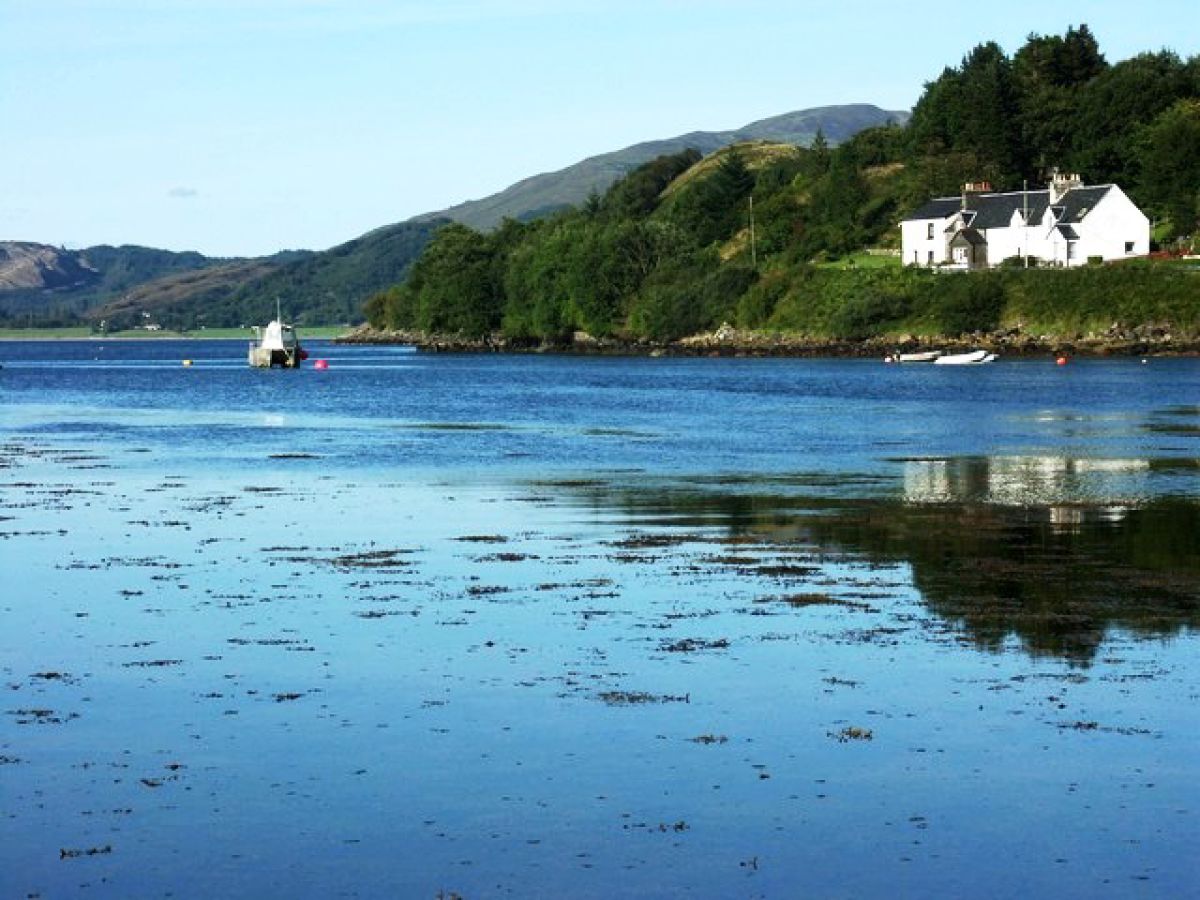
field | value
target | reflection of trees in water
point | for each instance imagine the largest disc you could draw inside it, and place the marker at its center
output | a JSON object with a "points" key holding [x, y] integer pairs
{"points": [[1058, 577], [1003, 570]]}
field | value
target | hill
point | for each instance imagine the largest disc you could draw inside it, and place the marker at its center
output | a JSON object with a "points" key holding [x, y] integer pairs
{"points": [[125, 285], [53, 284], [37, 267], [552, 191]]}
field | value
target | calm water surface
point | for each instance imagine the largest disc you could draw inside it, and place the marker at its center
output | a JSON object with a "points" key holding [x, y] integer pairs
{"points": [[549, 626]]}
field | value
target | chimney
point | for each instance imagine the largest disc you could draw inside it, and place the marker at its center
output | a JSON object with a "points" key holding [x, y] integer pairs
{"points": [[1061, 183], [973, 189]]}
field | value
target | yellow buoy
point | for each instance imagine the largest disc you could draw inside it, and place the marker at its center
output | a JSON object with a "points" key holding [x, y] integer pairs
{"points": [[187, 362]]}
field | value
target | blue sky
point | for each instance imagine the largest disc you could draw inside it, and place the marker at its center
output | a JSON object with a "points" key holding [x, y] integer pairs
{"points": [[242, 127]]}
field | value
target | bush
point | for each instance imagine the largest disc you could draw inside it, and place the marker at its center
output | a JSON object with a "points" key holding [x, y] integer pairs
{"points": [[971, 303]]}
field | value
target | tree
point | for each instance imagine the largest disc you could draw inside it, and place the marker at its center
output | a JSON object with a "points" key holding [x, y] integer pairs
{"points": [[454, 285], [1049, 73], [1116, 105], [989, 113], [972, 109], [817, 160], [834, 222], [1171, 165], [712, 207]]}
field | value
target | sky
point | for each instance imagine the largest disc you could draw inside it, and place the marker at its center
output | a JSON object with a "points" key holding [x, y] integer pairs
{"points": [[244, 127]]}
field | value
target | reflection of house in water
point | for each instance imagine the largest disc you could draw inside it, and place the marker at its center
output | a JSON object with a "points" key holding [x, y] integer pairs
{"points": [[1058, 483]]}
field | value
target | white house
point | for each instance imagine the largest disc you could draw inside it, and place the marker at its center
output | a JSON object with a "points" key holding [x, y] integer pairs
{"points": [[1064, 225]]}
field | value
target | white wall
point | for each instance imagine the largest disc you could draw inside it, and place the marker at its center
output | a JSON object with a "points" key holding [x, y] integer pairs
{"points": [[1113, 222], [914, 239]]}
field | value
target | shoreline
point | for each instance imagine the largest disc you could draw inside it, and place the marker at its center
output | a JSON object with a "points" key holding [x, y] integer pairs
{"points": [[323, 333], [730, 342]]}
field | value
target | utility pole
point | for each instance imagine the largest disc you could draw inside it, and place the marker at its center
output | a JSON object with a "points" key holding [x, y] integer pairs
{"points": [[753, 247], [1025, 220]]}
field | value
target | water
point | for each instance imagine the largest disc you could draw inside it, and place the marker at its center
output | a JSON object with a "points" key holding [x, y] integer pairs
{"points": [[536, 625]]}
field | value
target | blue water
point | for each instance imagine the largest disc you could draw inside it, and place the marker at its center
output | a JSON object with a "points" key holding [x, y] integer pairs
{"points": [[480, 625], [379, 408]]}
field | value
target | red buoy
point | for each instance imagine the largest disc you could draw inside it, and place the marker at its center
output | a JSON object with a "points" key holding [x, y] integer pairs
{"points": [[321, 364], [1062, 361]]}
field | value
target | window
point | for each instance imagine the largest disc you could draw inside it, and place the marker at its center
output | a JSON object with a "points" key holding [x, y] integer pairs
{"points": [[929, 232], [931, 254], [1129, 246]]}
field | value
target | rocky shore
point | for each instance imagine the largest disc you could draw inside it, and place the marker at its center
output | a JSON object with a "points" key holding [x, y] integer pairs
{"points": [[1153, 339]]}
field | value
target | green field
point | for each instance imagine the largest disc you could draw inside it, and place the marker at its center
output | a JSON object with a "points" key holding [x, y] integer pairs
{"points": [[862, 260], [208, 334]]}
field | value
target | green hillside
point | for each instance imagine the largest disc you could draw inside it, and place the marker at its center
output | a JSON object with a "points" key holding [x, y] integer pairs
{"points": [[125, 286], [748, 235], [316, 289], [551, 192]]}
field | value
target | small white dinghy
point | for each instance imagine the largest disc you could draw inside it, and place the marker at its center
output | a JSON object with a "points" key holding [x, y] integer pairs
{"points": [[975, 358], [927, 356]]}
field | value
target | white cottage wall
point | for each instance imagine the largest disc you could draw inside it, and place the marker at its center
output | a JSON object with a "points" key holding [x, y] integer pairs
{"points": [[1114, 223], [920, 249]]}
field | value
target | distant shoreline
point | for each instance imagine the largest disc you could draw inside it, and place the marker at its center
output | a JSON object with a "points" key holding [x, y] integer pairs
{"points": [[319, 332], [724, 342], [730, 342]]}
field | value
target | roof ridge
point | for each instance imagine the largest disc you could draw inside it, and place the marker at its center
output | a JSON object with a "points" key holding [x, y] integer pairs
{"points": [[977, 195]]}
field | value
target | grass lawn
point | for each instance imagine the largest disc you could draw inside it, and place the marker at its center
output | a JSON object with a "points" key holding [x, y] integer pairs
{"points": [[862, 261]]}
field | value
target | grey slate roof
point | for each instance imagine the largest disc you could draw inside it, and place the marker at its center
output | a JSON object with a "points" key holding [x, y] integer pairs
{"points": [[1081, 201], [995, 210]]}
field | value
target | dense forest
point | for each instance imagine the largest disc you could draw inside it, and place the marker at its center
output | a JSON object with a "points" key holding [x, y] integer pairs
{"points": [[748, 235]]}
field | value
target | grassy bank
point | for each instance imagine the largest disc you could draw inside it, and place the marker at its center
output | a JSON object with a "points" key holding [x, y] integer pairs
{"points": [[858, 304]]}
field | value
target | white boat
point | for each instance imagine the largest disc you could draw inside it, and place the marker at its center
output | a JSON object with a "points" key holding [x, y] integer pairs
{"points": [[276, 345], [927, 356], [974, 358]]}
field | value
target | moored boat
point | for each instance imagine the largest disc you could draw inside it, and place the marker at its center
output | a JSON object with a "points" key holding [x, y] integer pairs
{"points": [[974, 358], [276, 345], [927, 356]]}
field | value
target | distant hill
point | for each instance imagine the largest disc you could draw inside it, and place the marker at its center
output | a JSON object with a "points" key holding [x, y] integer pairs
{"points": [[123, 285], [56, 284], [40, 284], [541, 194], [36, 267]]}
